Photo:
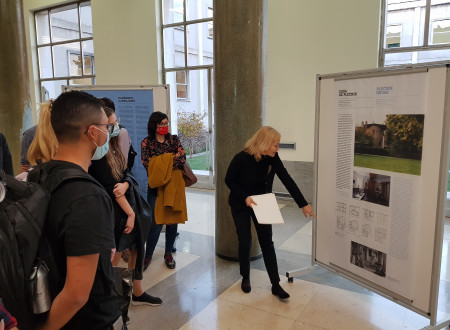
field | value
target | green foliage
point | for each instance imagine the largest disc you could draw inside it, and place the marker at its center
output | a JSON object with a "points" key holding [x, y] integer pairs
{"points": [[404, 135], [190, 124], [191, 131], [361, 137]]}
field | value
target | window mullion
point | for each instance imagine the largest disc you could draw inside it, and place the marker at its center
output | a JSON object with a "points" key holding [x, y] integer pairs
{"points": [[382, 33], [79, 36], [50, 33], [427, 23], [185, 34]]}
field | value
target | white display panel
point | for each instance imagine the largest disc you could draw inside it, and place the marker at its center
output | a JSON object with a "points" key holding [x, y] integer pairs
{"points": [[380, 141]]}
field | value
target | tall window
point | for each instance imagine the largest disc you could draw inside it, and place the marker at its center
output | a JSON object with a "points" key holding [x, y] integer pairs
{"points": [[187, 30], [65, 48], [414, 31]]}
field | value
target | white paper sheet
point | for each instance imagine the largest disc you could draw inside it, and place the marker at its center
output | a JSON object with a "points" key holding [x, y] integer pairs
{"points": [[267, 210]]}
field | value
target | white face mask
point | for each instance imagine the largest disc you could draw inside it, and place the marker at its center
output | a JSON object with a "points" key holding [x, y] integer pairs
{"points": [[101, 151], [115, 132]]}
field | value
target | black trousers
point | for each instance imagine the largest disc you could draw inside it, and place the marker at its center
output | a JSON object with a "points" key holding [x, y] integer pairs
{"points": [[243, 229]]}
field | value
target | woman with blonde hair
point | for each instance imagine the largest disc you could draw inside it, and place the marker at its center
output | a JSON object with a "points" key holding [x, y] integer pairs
{"points": [[251, 172], [44, 145]]}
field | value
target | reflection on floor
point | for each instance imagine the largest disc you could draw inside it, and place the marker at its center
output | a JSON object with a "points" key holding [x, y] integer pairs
{"points": [[203, 291]]}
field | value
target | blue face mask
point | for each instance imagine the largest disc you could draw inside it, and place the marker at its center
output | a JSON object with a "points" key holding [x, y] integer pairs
{"points": [[115, 132], [101, 151]]}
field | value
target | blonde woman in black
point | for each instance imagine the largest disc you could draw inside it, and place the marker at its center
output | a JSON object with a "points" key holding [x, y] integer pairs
{"points": [[251, 172]]}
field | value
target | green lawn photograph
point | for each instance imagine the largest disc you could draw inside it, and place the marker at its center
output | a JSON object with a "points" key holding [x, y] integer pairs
{"points": [[392, 164]]}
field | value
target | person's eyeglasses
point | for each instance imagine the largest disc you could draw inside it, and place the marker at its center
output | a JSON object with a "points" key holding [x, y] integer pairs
{"points": [[109, 127], [163, 124]]}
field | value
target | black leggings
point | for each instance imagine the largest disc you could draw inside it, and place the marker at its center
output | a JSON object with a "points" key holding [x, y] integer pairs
{"points": [[243, 229]]}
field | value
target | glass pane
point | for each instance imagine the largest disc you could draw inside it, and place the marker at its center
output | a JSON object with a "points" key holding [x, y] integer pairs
{"points": [[440, 32], [86, 20], [64, 23], [439, 22], [198, 9], [200, 45], [393, 36], [192, 117], [88, 52], [409, 16], [181, 77], [42, 29], [182, 84], [182, 91], [210, 29], [75, 64], [173, 11], [174, 48], [82, 81], [192, 121], [52, 89], [45, 62], [67, 58], [417, 57]]}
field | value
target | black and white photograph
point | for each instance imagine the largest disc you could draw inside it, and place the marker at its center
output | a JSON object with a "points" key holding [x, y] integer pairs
{"points": [[369, 259]]}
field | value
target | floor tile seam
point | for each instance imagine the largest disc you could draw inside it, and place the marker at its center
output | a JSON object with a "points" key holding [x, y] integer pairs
{"points": [[194, 232], [308, 324], [179, 272], [253, 308], [175, 271]]}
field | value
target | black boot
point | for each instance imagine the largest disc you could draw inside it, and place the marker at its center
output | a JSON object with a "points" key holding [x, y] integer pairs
{"points": [[278, 291], [245, 285]]}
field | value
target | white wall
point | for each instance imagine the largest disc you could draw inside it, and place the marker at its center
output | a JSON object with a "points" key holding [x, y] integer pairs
{"points": [[306, 38], [125, 42]]}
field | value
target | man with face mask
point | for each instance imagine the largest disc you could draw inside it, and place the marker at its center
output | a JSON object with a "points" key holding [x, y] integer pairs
{"points": [[79, 226]]}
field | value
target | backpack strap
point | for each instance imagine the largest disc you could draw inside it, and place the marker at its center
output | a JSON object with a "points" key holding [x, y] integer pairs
{"points": [[70, 174], [54, 180]]}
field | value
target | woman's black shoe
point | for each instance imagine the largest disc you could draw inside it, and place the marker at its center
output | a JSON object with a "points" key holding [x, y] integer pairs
{"points": [[277, 290], [245, 285]]}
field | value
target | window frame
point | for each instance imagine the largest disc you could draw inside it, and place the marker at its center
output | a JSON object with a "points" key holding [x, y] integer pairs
{"points": [[427, 36], [183, 27], [51, 43]]}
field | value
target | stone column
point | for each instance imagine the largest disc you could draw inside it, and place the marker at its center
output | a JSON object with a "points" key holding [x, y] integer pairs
{"points": [[15, 106], [240, 79]]}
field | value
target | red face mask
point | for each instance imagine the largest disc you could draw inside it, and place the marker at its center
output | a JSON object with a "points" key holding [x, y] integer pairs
{"points": [[162, 130]]}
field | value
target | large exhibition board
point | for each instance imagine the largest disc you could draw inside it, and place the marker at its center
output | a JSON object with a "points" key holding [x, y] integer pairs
{"points": [[134, 105], [380, 176]]}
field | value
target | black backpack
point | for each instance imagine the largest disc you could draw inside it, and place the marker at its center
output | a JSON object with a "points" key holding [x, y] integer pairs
{"points": [[22, 217], [131, 154]]}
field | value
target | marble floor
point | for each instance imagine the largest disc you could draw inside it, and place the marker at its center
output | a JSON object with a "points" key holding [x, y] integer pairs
{"points": [[203, 291]]}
